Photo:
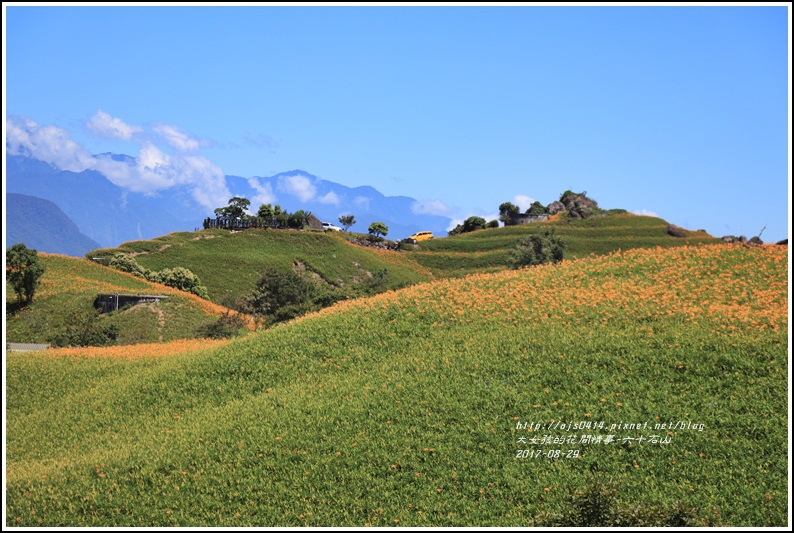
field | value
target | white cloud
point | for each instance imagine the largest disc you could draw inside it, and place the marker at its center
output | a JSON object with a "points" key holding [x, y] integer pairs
{"points": [[47, 143], [297, 185], [178, 140], [523, 201], [430, 207], [208, 180], [151, 171], [152, 157], [362, 202], [329, 198], [106, 126], [266, 194], [646, 213]]}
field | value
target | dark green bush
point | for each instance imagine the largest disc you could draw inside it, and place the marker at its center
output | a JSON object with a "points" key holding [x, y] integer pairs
{"points": [[227, 326], [537, 249], [598, 505], [180, 278], [280, 295]]}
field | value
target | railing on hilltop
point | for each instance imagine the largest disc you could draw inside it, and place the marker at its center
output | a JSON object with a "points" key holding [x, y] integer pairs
{"points": [[240, 223]]}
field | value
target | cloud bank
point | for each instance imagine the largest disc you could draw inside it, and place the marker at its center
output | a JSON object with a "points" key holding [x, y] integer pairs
{"points": [[151, 171]]}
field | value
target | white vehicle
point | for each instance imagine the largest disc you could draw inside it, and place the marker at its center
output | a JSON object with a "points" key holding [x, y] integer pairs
{"points": [[328, 225]]}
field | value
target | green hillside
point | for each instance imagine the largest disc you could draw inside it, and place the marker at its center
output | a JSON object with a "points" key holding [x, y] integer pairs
{"points": [[407, 408], [229, 264], [487, 250], [67, 292]]}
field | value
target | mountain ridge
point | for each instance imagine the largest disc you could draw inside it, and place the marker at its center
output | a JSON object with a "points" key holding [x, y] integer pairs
{"points": [[111, 214], [40, 224]]}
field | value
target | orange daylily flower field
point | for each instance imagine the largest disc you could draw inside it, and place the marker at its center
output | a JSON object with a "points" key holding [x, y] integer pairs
{"points": [[487, 400]]}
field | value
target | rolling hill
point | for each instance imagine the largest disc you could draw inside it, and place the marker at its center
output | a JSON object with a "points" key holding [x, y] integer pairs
{"points": [[662, 370], [69, 287], [229, 264]]}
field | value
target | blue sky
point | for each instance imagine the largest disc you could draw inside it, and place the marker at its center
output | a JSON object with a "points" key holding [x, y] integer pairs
{"points": [[677, 111]]}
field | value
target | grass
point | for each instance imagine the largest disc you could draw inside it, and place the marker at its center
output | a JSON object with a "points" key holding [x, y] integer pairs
{"points": [[487, 250], [404, 409], [70, 285], [229, 264]]}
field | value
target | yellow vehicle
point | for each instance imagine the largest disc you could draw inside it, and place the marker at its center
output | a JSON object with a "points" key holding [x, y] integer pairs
{"points": [[419, 236]]}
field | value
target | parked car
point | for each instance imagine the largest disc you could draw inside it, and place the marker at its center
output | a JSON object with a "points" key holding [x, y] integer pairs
{"points": [[419, 236], [328, 225]]}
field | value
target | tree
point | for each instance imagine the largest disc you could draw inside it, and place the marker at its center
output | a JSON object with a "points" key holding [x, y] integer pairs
{"points": [[267, 214], [297, 220], [280, 295], [473, 223], [378, 228], [506, 210], [235, 210], [347, 221], [538, 249], [23, 271]]}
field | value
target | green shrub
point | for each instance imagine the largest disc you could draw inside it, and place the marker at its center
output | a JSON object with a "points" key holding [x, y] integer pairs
{"points": [[537, 249], [536, 208], [598, 505], [182, 279], [227, 326], [127, 263]]}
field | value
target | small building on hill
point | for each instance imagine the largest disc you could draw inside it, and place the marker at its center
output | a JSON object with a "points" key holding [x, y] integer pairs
{"points": [[526, 218], [112, 302]]}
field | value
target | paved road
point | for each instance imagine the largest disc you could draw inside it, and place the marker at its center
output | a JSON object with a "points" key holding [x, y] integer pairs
{"points": [[20, 347]]}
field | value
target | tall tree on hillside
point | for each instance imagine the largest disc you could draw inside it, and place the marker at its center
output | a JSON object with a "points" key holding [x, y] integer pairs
{"points": [[23, 271], [506, 210], [236, 210], [267, 214], [347, 221], [378, 228]]}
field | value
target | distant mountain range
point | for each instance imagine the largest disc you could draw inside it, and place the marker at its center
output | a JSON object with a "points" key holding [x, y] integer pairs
{"points": [[41, 225], [111, 215]]}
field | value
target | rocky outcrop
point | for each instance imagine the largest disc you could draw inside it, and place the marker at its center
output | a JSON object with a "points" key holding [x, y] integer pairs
{"points": [[675, 231], [555, 207], [578, 205], [380, 244]]}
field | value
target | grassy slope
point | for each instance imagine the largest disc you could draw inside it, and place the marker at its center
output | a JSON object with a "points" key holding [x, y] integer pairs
{"points": [[70, 284], [229, 264], [487, 250], [402, 409]]}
